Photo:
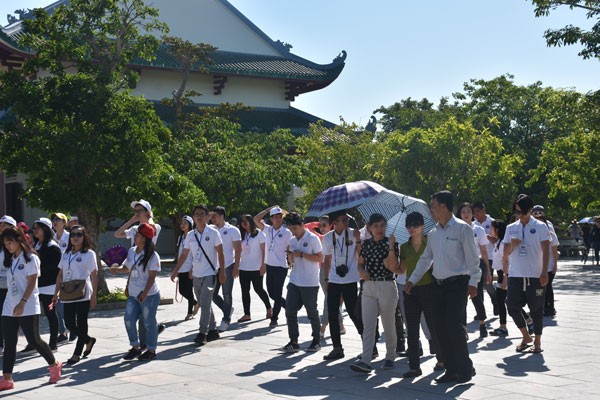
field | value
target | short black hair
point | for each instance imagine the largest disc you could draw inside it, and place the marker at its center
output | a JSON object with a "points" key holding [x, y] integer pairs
{"points": [[478, 204], [375, 218], [293, 218], [524, 202], [200, 207], [414, 218], [444, 197], [336, 214], [219, 210]]}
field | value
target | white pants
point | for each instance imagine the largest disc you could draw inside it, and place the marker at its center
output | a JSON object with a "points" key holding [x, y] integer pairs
{"points": [[379, 298]]}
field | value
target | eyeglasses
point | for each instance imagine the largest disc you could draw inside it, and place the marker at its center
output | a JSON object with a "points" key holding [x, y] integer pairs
{"points": [[199, 215], [76, 235]]}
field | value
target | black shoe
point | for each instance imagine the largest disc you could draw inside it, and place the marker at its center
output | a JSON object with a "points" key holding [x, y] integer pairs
{"points": [[143, 347], [483, 333], [200, 339], [439, 366], [212, 336], [465, 378], [90, 346], [29, 349], [446, 378], [161, 328], [132, 353], [147, 356], [61, 339], [413, 373], [335, 354]]}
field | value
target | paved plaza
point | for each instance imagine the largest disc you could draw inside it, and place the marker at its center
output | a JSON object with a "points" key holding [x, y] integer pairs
{"points": [[246, 363]]}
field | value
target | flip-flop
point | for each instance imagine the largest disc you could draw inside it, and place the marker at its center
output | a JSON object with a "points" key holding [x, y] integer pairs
{"points": [[523, 347], [534, 350]]}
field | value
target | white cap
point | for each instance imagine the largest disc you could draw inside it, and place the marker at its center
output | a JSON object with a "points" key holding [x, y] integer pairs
{"points": [[9, 220], [74, 218], [275, 210], [189, 219], [45, 221], [142, 203]]}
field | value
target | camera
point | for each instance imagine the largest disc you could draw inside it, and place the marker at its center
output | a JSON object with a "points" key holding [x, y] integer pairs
{"points": [[341, 270]]}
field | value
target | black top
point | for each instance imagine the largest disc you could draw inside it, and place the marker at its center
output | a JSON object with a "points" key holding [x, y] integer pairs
{"points": [[49, 259], [374, 252]]}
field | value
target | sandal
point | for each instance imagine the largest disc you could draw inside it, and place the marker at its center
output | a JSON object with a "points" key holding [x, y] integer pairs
{"points": [[534, 350], [73, 360], [523, 347], [245, 318]]}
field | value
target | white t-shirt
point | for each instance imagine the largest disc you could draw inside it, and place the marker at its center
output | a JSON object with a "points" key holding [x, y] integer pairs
{"points": [[50, 289], [210, 239], [344, 253], [79, 266], [229, 234], [480, 238], [497, 257], [526, 260], [3, 271], [277, 242], [553, 243], [252, 254], [130, 233], [187, 264], [487, 227], [139, 276], [305, 273], [63, 241], [17, 276]]}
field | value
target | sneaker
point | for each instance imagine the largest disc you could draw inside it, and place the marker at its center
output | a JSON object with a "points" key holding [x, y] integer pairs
{"points": [[55, 371], [499, 332], [6, 384], [212, 336], [290, 348], [361, 367], [224, 326], [314, 346], [72, 336], [413, 373], [388, 364], [29, 349], [61, 339], [132, 353], [188, 317], [147, 356], [335, 354], [200, 339], [273, 324], [483, 331], [161, 328]]}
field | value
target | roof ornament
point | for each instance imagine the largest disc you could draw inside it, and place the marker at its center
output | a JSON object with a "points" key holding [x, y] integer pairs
{"points": [[341, 57], [283, 46], [23, 13]]}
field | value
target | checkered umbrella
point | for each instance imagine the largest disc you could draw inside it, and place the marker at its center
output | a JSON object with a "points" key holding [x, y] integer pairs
{"points": [[341, 197], [395, 207]]}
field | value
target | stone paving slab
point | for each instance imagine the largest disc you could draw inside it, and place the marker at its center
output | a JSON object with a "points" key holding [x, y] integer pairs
{"points": [[246, 363]]}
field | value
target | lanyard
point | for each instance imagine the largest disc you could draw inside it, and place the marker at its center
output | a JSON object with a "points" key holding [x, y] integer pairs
{"points": [[247, 239], [14, 265], [274, 234], [200, 240], [138, 261], [341, 247], [71, 259]]}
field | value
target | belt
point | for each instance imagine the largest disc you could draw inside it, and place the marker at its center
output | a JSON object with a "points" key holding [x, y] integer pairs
{"points": [[384, 279], [451, 279]]}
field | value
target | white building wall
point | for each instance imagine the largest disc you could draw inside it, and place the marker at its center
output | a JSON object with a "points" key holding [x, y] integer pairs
{"points": [[209, 21], [157, 85]]}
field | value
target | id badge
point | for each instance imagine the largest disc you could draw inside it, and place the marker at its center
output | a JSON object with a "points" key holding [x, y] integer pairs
{"points": [[523, 250], [198, 255], [68, 275], [13, 288], [134, 274], [271, 247]]}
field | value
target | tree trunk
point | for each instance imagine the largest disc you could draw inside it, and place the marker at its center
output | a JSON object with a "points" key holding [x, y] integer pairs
{"points": [[91, 221]]}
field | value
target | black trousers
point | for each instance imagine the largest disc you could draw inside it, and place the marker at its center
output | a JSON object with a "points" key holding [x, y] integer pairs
{"points": [[76, 319], [335, 292], [449, 305], [254, 278], [522, 291], [45, 301], [419, 301], [478, 300], [549, 303], [3, 293], [30, 325], [275, 281], [186, 289], [501, 298]]}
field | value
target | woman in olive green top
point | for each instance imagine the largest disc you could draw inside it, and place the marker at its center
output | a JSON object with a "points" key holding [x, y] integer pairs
{"points": [[420, 299]]}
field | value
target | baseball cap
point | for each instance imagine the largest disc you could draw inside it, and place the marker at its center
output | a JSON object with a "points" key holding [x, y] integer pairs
{"points": [[9, 220], [538, 207], [59, 216], [275, 210], [45, 221], [142, 203]]}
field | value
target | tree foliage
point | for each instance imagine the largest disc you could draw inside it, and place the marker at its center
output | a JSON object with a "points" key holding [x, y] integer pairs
{"points": [[570, 35]]}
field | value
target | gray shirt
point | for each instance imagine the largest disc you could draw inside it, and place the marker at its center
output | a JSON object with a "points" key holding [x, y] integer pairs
{"points": [[452, 251]]}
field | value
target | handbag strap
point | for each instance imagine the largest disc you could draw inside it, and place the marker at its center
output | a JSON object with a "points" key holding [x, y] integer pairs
{"points": [[205, 255]]}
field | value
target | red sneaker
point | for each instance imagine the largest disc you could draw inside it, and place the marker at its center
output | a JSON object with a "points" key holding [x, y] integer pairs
{"points": [[6, 385], [55, 371]]}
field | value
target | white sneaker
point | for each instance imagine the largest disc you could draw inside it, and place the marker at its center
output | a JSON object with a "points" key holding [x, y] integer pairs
{"points": [[224, 326]]}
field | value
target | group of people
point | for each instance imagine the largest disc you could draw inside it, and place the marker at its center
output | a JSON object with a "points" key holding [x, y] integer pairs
{"points": [[422, 284]]}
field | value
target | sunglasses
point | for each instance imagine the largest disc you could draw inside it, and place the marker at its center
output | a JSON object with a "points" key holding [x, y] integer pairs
{"points": [[76, 235], [56, 220]]}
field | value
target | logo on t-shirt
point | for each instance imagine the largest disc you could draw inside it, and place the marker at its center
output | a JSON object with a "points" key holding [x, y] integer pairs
{"points": [[225, 233], [21, 266], [475, 235], [280, 235], [305, 244], [532, 231], [487, 227], [78, 259], [63, 245], [207, 238]]}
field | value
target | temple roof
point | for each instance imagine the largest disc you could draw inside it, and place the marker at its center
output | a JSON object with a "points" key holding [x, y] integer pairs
{"points": [[286, 65]]}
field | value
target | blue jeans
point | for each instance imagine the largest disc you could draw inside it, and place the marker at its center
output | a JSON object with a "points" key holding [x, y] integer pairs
{"points": [[224, 303], [146, 310]]}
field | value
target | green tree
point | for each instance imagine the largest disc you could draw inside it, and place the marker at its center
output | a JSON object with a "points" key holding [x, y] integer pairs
{"points": [[86, 144], [570, 35], [454, 156]]}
